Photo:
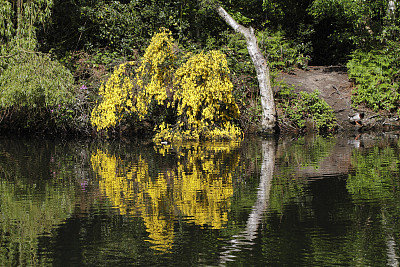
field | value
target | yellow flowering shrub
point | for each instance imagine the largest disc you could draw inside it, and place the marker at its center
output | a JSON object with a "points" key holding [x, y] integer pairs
{"points": [[205, 104], [154, 76], [199, 92], [117, 96]]}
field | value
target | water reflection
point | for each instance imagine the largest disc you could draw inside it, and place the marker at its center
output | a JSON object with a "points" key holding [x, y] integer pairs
{"points": [[309, 201], [345, 214], [259, 208], [33, 200], [198, 188], [376, 174]]}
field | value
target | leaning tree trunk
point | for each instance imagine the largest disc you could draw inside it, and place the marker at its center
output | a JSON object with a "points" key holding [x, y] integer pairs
{"points": [[268, 121]]}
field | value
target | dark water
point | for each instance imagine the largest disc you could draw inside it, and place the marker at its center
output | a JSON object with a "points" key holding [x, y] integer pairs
{"points": [[310, 201]]}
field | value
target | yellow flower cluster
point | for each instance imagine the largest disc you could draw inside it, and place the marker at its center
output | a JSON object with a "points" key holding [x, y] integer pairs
{"points": [[155, 73], [116, 99], [160, 200], [205, 104], [199, 90], [203, 86]]}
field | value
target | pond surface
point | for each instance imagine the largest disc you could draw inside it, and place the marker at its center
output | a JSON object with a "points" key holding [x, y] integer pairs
{"points": [[309, 201]]}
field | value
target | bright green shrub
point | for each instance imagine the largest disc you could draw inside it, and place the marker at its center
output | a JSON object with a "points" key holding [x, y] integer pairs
{"points": [[375, 75], [35, 81], [35, 84], [298, 108]]}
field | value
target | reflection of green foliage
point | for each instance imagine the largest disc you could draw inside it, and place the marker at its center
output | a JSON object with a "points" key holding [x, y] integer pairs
{"points": [[306, 152], [357, 249], [25, 215], [37, 193], [374, 174], [284, 190], [320, 224], [300, 154]]}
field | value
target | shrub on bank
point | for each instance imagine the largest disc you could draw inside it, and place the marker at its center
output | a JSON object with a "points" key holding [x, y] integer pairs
{"points": [[196, 93], [375, 74], [31, 89], [303, 110]]}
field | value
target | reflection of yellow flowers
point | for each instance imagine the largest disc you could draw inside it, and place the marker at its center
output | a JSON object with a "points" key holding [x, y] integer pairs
{"points": [[204, 196], [200, 187], [106, 166]]}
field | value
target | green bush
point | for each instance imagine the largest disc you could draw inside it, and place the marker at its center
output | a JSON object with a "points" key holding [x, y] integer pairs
{"points": [[281, 53], [32, 87], [375, 75], [299, 108]]}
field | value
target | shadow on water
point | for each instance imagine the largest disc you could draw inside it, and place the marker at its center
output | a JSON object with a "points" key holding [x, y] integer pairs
{"points": [[309, 201]]}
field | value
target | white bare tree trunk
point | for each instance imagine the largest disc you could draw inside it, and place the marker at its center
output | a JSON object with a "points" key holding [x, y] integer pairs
{"points": [[391, 7], [268, 121]]}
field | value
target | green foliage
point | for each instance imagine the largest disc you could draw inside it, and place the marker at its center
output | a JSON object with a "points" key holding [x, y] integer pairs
{"points": [[6, 27], [124, 26], [302, 110], [364, 21], [33, 86], [375, 74], [344, 25], [280, 52], [35, 80], [115, 26], [374, 174], [19, 20]]}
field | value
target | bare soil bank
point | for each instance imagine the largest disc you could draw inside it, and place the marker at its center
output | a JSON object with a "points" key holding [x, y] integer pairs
{"points": [[335, 88]]}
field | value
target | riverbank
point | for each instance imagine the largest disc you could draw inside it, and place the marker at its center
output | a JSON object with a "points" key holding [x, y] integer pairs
{"points": [[336, 89], [331, 81]]}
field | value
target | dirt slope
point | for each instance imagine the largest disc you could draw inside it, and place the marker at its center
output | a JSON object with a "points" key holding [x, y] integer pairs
{"points": [[334, 86]]}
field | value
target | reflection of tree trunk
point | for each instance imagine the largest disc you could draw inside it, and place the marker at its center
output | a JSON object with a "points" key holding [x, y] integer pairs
{"points": [[391, 252], [267, 172], [261, 205]]}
